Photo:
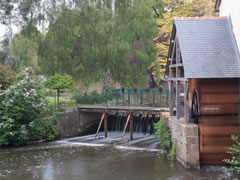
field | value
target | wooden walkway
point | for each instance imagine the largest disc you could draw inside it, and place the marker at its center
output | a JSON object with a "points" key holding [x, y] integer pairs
{"points": [[123, 109]]}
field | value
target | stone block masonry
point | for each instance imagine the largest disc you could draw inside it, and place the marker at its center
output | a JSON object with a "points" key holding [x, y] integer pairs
{"points": [[185, 136]]}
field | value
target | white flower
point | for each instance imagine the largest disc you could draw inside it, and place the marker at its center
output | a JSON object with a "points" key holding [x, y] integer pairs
{"points": [[33, 105], [11, 101], [11, 120], [31, 124], [11, 133], [24, 132], [43, 78]]}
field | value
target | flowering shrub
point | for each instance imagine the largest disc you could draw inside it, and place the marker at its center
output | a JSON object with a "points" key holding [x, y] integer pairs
{"points": [[20, 110]]}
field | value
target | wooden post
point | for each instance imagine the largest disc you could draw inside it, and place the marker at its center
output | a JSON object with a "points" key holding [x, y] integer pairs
{"points": [[178, 59], [178, 115], [131, 127], [125, 127], [186, 103], [99, 126], [105, 126], [170, 86]]}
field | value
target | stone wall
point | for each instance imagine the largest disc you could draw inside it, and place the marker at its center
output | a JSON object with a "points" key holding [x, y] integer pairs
{"points": [[74, 123], [185, 136]]}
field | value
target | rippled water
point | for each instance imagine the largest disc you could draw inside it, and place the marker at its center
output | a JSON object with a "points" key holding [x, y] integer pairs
{"points": [[73, 159]]}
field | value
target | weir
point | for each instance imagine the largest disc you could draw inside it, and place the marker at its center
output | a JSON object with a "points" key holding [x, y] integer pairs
{"points": [[125, 119]]}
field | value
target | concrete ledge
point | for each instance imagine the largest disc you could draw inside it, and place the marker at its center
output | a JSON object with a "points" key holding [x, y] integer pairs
{"points": [[74, 123]]}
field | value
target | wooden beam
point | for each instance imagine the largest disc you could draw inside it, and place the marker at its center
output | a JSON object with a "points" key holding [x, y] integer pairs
{"points": [[176, 65], [125, 127], [99, 126], [173, 50], [105, 126], [131, 128], [171, 95], [178, 103], [177, 79], [186, 102]]}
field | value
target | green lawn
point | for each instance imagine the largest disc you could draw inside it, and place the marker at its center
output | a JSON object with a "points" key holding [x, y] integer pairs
{"points": [[66, 102]]}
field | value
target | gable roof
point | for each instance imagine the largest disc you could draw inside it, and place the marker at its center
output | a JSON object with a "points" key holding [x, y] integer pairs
{"points": [[208, 47]]}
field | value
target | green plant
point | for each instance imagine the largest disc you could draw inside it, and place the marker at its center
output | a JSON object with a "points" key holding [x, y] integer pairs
{"points": [[59, 82], [164, 134], [45, 127], [173, 152], [91, 98], [7, 77], [21, 104], [235, 152]]}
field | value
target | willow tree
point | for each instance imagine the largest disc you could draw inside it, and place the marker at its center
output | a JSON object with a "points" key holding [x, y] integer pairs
{"points": [[86, 40]]}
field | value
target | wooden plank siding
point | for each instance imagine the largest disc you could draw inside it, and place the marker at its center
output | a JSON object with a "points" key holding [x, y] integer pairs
{"points": [[219, 117]]}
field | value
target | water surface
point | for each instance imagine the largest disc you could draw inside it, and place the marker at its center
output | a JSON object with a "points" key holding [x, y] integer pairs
{"points": [[70, 159]]}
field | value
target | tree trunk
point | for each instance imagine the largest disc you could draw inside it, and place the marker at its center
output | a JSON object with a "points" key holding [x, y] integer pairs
{"points": [[58, 94], [107, 79]]}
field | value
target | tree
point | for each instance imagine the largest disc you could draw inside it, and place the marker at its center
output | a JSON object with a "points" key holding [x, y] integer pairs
{"points": [[87, 40], [7, 77], [58, 82], [176, 8], [24, 49]]}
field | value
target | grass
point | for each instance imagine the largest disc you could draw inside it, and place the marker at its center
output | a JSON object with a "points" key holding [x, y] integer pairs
{"points": [[66, 102]]}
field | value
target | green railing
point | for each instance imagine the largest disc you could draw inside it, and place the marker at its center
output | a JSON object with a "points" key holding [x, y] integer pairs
{"points": [[137, 97]]}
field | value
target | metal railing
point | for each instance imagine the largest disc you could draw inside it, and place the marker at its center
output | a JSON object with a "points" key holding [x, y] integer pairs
{"points": [[137, 97]]}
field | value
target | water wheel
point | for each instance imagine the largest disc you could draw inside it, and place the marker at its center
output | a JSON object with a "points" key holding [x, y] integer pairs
{"points": [[195, 106]]}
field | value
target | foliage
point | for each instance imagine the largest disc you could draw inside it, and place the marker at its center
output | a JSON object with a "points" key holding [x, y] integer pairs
{"points": [[21, 105], [176, 8], [173, 152], [235, 152], [7, 77], [91, 98], [25, 50], [87, 39], [59, 82], [164, 134], [45, 127]]}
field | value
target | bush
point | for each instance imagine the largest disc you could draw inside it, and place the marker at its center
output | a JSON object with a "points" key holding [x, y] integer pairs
{"points": [[7, 77], [45, 128], [164, 134], [20, 112], [235, 152], [91, 98]]}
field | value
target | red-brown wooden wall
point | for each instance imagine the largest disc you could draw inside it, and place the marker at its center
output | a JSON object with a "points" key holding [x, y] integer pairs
{"points": [[220, 117]]}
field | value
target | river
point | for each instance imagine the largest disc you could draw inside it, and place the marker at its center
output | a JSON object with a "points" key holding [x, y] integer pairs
{"points": [[83, 158]]}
